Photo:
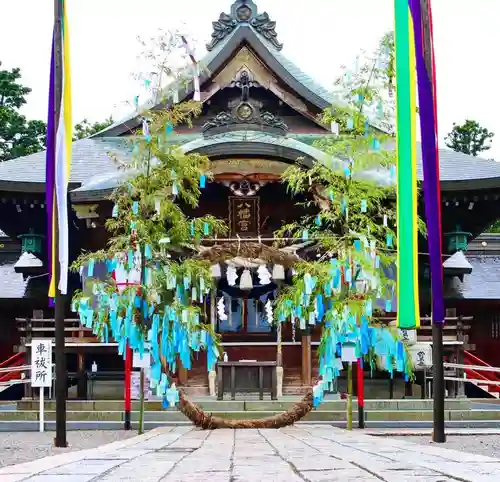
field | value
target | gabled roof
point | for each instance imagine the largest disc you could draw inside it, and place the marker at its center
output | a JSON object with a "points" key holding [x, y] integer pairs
{"points": [[240, 32], [91, 156]]}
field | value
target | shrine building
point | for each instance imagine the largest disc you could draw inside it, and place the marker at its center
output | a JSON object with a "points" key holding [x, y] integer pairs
{"points": [[260, 115]]}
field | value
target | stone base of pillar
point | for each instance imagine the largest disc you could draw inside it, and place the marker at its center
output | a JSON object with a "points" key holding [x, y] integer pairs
{"points": [[279, 381], [211, 382]]}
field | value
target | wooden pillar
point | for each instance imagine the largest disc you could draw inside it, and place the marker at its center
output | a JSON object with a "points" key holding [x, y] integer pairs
{"points": [[182, 373], [408, 389], [460, 390], [82, 380], [453, 356], [306, 360]]}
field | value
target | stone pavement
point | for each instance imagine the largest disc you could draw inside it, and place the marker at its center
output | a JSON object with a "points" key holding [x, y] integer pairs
{"points": [[305, 453]]}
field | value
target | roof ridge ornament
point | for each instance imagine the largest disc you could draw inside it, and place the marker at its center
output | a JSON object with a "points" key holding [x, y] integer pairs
{"points": [[244, 11]]}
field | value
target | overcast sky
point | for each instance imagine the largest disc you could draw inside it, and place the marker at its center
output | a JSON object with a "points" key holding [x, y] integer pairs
{"points": [[318, 35]]}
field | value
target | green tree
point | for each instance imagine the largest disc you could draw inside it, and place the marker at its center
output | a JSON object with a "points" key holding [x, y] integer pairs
{"points": [[18, 136], [86, 129], [152, 235], [352, 224], [469, 138], [153, 239], [494, 228]]}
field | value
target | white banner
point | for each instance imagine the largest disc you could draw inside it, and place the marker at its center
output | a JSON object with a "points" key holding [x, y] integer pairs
{"points": [[41, 363]]}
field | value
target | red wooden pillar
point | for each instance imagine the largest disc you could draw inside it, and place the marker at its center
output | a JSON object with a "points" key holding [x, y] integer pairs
{"points": [[128, 386]]}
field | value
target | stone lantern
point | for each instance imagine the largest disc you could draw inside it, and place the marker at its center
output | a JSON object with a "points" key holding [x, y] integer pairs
{"points": [[457, 240]]}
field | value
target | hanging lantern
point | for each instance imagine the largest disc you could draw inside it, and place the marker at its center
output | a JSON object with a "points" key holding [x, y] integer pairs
{"points": [[264, 275], [216, 271], [278, 272], [246, 282]]}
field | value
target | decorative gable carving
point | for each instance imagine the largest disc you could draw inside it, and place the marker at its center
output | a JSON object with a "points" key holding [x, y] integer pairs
{"points": [[244, 112], [245, 60], [244, 11]]}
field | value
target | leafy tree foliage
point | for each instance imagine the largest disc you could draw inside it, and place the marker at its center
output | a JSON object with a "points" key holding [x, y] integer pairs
{"points": [[86, 128], [153, 237], [351, 192], [18, 136], [469, 138]]}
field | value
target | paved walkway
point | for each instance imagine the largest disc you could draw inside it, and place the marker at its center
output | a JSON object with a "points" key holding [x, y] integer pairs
{"points": [[306, 453]]}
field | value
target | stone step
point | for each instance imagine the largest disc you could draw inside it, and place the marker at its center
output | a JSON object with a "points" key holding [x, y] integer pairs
{"points": [[173, 415], [210, 404], [196, 390], [33, 426]]}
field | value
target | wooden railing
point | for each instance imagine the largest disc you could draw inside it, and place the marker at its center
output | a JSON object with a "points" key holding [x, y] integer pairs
{"points": [[455, 330], [45, 328]]}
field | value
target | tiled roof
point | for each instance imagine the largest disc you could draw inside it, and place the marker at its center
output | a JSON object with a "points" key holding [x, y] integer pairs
{"points": [[12, 284], [456, 166], [482, 283], [108, 181], [90, 156]]}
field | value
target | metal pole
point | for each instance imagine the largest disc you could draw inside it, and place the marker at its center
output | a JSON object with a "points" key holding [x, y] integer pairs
{"points": [[349, 396], [438, 433], [42, 410], [60, 357]]}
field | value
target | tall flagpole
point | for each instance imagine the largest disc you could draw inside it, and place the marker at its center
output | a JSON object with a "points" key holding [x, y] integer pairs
{"points": [[60, 356], [421, 11], [438, 433]]}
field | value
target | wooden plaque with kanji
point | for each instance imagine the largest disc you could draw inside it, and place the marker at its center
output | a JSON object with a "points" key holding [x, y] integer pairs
{"points": [[244, 215]]}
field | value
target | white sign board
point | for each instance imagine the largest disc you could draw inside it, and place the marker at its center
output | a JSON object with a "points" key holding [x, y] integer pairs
{"points": [[135, 385], [41, 363], [141, 361], [349, 352], [421, 355], [408, 336]]}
